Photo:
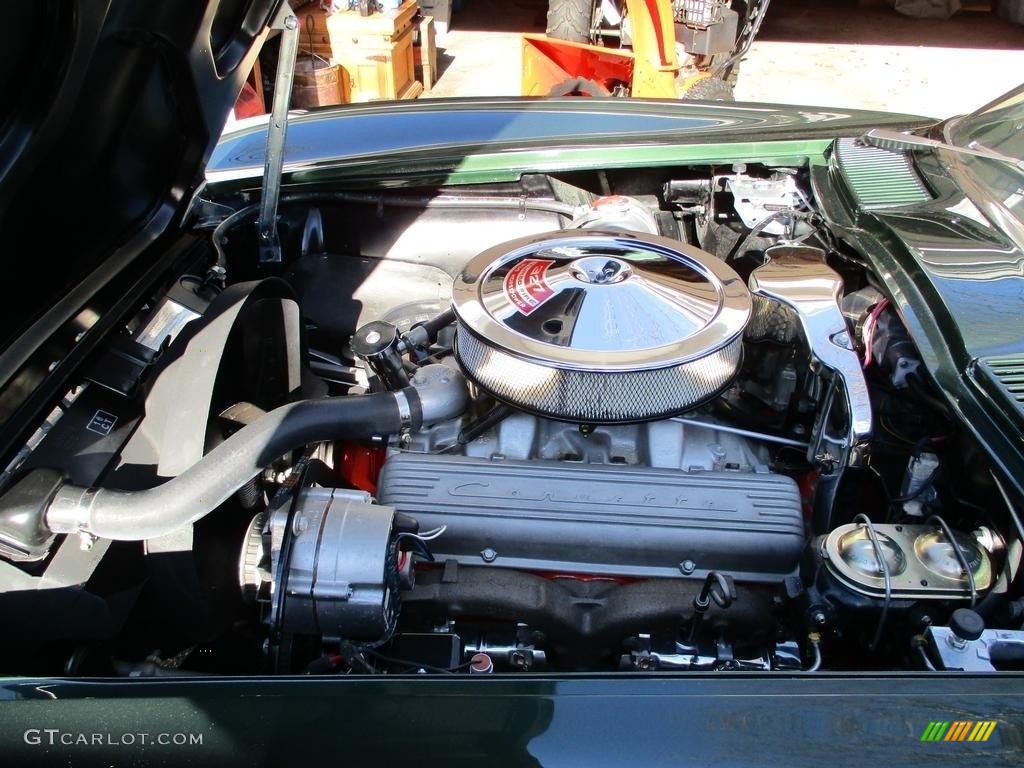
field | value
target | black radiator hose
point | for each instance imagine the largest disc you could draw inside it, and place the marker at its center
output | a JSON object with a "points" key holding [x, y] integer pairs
{"points": [[438, 393]]}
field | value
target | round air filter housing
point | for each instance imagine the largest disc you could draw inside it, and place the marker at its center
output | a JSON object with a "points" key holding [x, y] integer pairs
{"points": [[600, 326]]}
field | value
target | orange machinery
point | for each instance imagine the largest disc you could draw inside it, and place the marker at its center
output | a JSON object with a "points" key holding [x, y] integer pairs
{"points": [[651, 68]]}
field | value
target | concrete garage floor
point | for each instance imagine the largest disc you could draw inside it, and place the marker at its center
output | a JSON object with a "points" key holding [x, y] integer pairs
{"points": [[826, 53]]}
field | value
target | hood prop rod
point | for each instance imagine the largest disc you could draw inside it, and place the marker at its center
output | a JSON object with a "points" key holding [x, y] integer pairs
{"points": [[277, 130]]}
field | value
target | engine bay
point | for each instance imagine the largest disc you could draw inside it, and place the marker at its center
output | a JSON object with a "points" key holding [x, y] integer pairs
{"points": [[658, 420]]}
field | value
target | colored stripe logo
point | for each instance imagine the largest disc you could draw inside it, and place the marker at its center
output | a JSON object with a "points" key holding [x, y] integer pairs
{"points": [[959, 730]]}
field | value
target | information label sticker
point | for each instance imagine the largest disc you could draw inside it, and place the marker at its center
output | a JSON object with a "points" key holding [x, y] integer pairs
{"points": [[526, 285]]}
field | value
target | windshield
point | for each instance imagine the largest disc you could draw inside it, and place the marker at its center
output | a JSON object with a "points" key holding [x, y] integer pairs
{"points": [[998, 126]]}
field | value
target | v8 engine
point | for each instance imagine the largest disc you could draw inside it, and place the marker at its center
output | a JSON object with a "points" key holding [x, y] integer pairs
{"points": [[532, 427]]}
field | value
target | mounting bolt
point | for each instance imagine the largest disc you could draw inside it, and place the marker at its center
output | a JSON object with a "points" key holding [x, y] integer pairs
{"points": [[687, 567], [842, 339], [290, 22], [299, 524], [818, 617], [521, 659], [643, 663], [488, 555]]}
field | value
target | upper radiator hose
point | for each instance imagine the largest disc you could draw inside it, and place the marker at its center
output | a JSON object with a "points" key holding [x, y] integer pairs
{"points": [[437, 393]]}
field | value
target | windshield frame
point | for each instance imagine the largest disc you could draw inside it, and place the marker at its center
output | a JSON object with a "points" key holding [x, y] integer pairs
{"points": [[995, 186], [963, 130]]}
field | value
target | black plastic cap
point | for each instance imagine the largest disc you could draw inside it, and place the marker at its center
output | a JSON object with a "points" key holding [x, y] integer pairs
{"points": [[966, 624], [373, 338]]}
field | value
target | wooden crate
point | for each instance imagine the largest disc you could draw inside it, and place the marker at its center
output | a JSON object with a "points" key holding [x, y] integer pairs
{"points": [[347, 27], [425, 52], [321, 32], [377, 66], [375, 51]]}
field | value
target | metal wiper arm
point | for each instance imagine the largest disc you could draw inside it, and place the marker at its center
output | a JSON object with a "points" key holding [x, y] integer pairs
{"points": [[899, 142]]}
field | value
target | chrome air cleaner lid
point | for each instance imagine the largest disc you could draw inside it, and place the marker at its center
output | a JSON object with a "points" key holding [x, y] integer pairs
{"points": [[600, 326]]}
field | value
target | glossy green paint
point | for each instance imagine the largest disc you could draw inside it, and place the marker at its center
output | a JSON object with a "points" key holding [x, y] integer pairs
{"points": [[509, 166], [958, 284], [379, 145], [810, 152], [587, 720]]}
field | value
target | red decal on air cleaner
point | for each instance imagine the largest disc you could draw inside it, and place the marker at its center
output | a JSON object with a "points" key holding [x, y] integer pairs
{"points": [[526, 286]]}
